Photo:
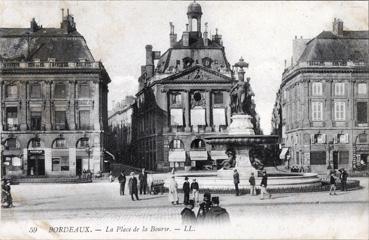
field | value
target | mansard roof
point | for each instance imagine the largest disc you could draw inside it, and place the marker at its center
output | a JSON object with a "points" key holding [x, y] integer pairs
{"points": [[327, 46], [17, 44]]}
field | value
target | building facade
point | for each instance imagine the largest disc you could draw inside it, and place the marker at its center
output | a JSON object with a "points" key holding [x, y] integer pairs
{"points": [[321, 112], [120, 130], [53, 102], [183, 96]]}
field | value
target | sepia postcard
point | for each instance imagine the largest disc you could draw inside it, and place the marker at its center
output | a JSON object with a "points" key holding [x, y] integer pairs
{"points": [[184, 119]]}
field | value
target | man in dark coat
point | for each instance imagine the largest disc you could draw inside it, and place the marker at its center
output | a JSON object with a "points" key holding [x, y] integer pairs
{"points": [[188, 216], [122, 182], [204, 207], [132, 184], [143, 181], [343, 178], [217, 215], [332, 181], [6, 195], [252, 184], [186, 191], [264, 184], [236, 181]]}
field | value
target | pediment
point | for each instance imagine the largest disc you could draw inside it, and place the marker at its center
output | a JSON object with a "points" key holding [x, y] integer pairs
{"points": [[199, 74]]}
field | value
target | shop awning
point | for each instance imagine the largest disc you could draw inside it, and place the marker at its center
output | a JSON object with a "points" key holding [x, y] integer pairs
{"points": [[283, 153], [199, 155], [177, 156], [12, 152], [219, 155]]}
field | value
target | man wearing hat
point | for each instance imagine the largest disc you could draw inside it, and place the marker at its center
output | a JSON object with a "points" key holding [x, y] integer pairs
{"points": [[188, 216], [217, 214], [186, 191], [204, 207], [264, 184], [132, 184], [236, 181], [6, 195]]}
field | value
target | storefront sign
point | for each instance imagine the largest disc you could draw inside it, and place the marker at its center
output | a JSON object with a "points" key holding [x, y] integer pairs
{"points": [[36, 152]]}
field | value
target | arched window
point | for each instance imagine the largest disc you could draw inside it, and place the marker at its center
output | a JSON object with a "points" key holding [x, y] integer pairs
{"points": [[11, 144], [59, 143], [198, 144], [83, 143], [194, 25], [176, 144], [35, 143]]}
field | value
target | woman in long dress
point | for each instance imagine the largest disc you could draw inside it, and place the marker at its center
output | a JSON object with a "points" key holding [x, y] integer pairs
{"points": [[173, 194]]}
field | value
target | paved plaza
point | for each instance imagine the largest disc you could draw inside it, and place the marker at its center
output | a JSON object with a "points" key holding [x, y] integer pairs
{"points": [[99, 203]]}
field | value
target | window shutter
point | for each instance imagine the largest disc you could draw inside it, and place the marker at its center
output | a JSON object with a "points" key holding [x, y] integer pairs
{"points": [[324, 137], [312, 138]]}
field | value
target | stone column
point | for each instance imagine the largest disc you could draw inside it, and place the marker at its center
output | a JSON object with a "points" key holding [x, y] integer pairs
{"points": [[48, 116], [208, 111], [95, 105], [22, 107], [187, 111]]}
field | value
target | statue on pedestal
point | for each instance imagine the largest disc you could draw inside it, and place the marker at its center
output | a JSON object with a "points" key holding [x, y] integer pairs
{"points": [[241, 93]]}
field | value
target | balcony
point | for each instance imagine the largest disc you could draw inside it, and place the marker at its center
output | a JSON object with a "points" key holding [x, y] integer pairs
{"points": [[323, 64], [49, 65]]}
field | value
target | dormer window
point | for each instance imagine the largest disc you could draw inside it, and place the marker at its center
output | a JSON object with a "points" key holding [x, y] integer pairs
{"points": [[207, 62], [187, 62]]}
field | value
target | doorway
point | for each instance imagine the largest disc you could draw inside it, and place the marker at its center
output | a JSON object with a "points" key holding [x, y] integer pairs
{"points": [[78, 167], [36, 164], [335, 160]]}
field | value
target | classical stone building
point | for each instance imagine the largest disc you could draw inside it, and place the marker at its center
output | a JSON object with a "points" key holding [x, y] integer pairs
{"points": [[181, 99], [120, 130], [53, 101], [321, 112]]}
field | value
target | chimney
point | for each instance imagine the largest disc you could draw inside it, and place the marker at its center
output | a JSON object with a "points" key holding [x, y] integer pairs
{"points": [[186, 37], [217, 38], [205, 35], [34, 26], [172, 35], [338, 27], [149, 61], [67, 24]]}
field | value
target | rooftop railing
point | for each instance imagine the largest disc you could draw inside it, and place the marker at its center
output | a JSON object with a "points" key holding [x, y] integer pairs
{"points": [[48, 65], [314, 64]]}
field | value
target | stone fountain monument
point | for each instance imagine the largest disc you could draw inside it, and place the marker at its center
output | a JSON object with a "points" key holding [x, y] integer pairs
{"points": [[240, 138]]}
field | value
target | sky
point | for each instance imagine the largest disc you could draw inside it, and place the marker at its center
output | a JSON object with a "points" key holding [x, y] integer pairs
{"points": [[261, 32]]}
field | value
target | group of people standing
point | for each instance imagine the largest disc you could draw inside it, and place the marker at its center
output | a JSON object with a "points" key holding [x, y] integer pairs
{"points": [[209, 212], [343, 175], [133, 184], [187, 190], [263, 184]]}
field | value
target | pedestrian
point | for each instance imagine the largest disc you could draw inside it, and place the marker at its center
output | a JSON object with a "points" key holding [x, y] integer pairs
{"points": [[6, 195], [264, 185], [343, 178], [188, 216], [252, 184], [186, 191], [111, 177], [332, 181], [204, 207], [122, 182], [195, 191], [217, 215], [236, 181], [132, 184], [150, 183], [143, 181], [173, 191]]}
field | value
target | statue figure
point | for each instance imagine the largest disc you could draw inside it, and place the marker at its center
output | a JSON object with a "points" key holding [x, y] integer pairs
{"points": [[230, 162], [241, 93]]}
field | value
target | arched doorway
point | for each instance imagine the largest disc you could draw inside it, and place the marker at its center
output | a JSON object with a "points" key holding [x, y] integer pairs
{"points": [[36, 157]]}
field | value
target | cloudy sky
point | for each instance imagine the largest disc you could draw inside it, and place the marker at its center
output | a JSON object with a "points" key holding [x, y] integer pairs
{"points": [[261, 32]]}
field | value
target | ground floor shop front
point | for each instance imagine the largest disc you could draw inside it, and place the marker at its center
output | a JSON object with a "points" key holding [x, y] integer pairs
{"points": [[50, 155]]}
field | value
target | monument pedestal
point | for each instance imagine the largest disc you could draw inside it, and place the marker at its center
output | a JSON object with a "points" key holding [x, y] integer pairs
{"points": [[241, 125]]}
